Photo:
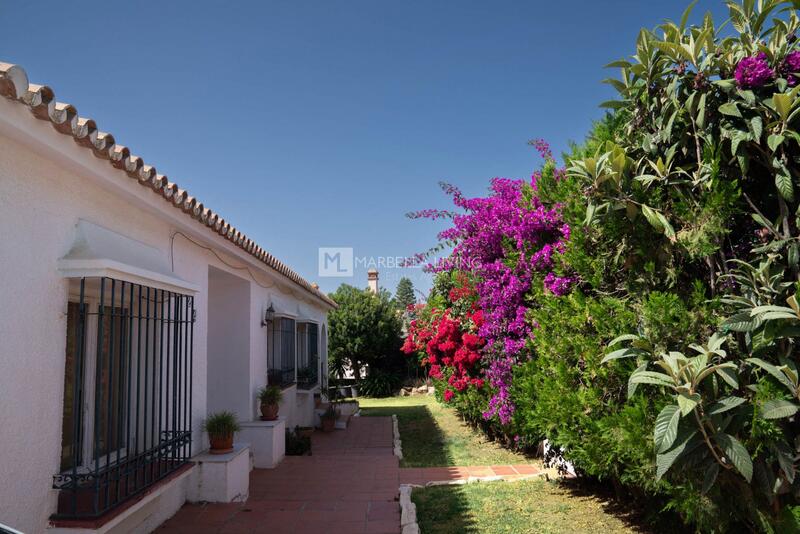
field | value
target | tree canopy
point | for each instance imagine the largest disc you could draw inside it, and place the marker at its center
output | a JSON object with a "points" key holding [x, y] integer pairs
{"points": [[364, 331], [404, 294]]}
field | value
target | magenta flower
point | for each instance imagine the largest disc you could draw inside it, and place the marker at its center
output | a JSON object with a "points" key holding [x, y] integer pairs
{"points": [[500, 375], [508, 240], [558, 285], [753, 72], [791, 67]]}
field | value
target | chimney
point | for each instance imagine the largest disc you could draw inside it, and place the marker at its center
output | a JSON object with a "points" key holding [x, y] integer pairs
{"points": [[372, 280]]}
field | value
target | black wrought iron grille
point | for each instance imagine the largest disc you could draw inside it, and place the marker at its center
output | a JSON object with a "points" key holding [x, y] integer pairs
{"points": [[128, 393], [308, 369], [281, 365]]}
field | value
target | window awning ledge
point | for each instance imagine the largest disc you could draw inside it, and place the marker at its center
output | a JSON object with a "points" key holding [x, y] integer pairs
{"points": [[98, 251]]}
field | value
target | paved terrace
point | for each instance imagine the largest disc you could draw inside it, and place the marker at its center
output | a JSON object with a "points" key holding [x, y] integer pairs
{"points": [[350, 486]]}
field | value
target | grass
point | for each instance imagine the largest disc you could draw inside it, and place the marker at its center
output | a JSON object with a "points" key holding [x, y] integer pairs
{"points": [[434, 436], [529, 506]]}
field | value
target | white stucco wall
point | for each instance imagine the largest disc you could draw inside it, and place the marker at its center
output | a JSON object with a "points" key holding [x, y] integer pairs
{"points": [[47, 183], [228, 344]]}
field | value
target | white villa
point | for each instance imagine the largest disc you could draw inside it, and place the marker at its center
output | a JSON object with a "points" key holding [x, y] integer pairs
{"points": [[131, 311]]}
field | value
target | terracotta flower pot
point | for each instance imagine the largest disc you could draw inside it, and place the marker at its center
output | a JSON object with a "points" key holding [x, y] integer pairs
{"points": [[328, 424], [269, 412], [221, 444]]}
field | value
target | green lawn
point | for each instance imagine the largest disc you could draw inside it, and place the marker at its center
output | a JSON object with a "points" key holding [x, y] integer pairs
{"points": [[529, 506], [434, 436]]}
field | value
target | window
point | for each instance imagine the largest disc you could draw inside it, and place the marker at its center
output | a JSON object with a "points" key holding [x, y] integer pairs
{"points": [[70, 442], [281, 364], [308, 357], [127, 392]]}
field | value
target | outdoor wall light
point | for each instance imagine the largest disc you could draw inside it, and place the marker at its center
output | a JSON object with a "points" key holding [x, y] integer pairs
{"points": [[269, 315]]}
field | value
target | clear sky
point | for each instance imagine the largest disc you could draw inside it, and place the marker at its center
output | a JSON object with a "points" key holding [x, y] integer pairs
{"points": [[320, 124]]}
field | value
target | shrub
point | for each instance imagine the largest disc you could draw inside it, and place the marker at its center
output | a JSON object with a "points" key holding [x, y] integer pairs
{"points": [[297, 444], [221, 424], [379, 383], [654, 346]]}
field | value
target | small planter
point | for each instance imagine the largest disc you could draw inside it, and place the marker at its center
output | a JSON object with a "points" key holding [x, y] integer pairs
{"points": [[354, 391], [221, 427], [220, 444], [328, 424], [269, 412], [270, 397], [328, 419]]}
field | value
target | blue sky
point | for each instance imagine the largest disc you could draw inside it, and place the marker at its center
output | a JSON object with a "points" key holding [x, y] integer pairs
{"points": [[320, 124]]}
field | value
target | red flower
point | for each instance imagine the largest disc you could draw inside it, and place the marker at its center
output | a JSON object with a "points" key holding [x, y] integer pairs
{"points": [[450, 345], [448, 395], [477, 318], [436, 371]]}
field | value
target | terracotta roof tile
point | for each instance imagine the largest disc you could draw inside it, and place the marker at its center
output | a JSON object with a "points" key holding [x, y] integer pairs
{"points": [[40, 99]]}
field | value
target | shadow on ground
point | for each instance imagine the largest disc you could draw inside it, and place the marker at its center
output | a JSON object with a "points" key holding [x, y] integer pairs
{"points": [[423, 439], [624, 509], [525, 507], [444, 510]]}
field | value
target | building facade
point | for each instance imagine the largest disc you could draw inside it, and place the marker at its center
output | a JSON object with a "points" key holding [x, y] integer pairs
{"points": [[131, 311]]}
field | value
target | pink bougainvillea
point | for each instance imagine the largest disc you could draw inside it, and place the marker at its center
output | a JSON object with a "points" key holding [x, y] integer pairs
{"points": [[505, 241]]}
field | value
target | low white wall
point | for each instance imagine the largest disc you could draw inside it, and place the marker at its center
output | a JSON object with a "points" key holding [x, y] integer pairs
{"points": [[221, 477], [267, 441], [145, 515]]}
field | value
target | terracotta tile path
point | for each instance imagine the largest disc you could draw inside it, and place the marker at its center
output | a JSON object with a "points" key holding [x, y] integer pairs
{"points": [[350, 485]]}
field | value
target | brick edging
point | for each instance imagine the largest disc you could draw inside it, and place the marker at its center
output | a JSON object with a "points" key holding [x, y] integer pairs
{"points": [[408, 510], [397, 444]]}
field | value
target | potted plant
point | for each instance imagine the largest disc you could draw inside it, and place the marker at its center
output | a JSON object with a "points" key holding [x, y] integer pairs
{"points": [[328, 419], [220, 427], [270, 397], [297, 444]]}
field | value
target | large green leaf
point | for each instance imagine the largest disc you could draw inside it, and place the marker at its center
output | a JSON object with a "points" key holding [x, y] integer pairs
{"points": [[723, 405], [736, 454], [785, 456], [687, 402], [651, 377], [756, 126], [783, 181], [633, 385], [685, 443], [627, 352], [710, 476], [731, 109], [651, 217], [774, 371], [668, 230], [666, 429], [623, 337], [774, 141], [777, 409], [782, 103], [612, 104], [741, 322]]}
